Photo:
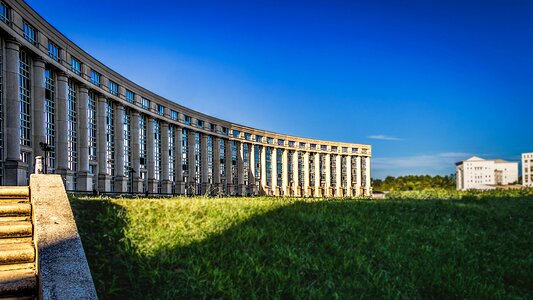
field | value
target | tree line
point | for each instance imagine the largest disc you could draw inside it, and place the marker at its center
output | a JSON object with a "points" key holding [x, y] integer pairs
{"points": [[414, 183]]}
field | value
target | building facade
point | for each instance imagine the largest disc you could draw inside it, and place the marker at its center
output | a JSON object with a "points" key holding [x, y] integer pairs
{"points": [[481, 174], [527, 169], [104, 133]]}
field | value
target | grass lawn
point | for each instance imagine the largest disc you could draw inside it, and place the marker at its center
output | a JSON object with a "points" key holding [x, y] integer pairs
{"points": [[473, 246]]}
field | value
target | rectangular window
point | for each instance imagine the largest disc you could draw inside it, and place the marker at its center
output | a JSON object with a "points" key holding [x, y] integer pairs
{"points": [[72, 128], [199, 123], [145, 103], [53, 51], [91, 121], [95, 78], [110, 138], [49, 117], [160, 110], [236, 133], [281, 142], [213, 127], [113, 88], [258, 138], [4, 13], [247, 136], [302, 145], [224, 130], [25, 98], [75, 65], [29, 33], [187, 120], [173, 114], [130, 96]]}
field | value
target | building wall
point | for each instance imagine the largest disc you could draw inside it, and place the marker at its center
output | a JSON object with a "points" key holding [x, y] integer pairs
{"points": [[527, 169], [108, 134], [485, 174]]}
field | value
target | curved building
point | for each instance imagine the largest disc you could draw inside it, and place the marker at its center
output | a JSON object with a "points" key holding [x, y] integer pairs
{"points": [[103, 132]]}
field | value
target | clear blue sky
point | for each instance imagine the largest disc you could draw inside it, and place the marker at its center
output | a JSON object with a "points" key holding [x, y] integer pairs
{"points": [[426, 83]]}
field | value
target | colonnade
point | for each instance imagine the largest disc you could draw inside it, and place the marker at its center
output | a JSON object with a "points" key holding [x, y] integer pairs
{"points": [[109, 135]]}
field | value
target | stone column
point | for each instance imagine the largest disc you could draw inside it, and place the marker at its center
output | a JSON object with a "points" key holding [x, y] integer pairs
{"points": [[191, 159], [121, 182], [204, 168], [228, 164], [368, 189], [138, 184], [295, 174], [338, 176], [328, 176], [251, 169], [166, 184], [285, 172], [85, 178], [38, 121], [150, 155], [178, 166], [104, 180], [318, 191], [15, 170], [306, 183], [348, 176], [274, 171], [358, 176], [264, 184], [62, 127], [216, 164], [240, 168]]}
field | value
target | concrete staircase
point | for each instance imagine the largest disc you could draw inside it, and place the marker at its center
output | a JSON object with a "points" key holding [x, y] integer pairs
{"points": [[18, 278]]}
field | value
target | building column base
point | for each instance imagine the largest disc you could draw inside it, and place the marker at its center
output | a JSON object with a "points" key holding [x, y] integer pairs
{"points": [[121, 184], [179, 188], [84, 182], [15, 173], [104, 183], [317, 192], [339, 192], [138, 185], [153, 186], [166, 187], [230, 190]]}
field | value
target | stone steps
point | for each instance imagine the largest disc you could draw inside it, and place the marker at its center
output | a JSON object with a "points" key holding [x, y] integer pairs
{"points": [[17, 251]]}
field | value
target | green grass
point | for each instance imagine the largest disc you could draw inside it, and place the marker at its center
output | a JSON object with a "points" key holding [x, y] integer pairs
{"points": [[476, 246]]}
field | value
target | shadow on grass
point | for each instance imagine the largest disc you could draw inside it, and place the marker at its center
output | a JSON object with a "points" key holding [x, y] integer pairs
{"points": [[328, 249]]}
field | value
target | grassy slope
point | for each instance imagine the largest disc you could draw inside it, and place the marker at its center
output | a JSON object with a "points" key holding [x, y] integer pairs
{"points": [[274, 248]]}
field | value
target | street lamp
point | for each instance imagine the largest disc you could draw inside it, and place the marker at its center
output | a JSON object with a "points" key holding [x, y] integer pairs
{"points": [[46, 148]]}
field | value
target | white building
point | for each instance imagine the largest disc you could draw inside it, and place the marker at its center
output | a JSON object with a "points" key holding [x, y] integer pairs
{"points": [[481, 174], [527, 169]]}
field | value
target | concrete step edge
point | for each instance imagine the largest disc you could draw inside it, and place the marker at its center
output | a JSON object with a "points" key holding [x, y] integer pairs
{"points": [[14, 191], [17, 283], [11, 209], [16, 253]]}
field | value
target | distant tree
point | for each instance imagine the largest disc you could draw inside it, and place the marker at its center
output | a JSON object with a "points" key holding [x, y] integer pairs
{"points": [[414, 183]]}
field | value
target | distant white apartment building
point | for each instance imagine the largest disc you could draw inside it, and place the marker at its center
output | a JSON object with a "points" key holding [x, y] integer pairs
{"points": [[481, 174], [527, 169]]}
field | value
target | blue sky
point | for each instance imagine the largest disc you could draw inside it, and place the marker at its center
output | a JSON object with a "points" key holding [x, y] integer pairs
{"points": [[426, 83]]}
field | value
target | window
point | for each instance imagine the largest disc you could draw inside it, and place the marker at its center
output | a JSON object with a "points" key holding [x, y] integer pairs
{"points": [[160, 110], [75, 65], [281, 142], [248, 136], [199, 123], [236, 133], [29, 33], [113, 88], [187, 120], [224, 130], [145, 103], [302, 145], [25, 98], [130, 96], [291, 143], [95, 78], [258, 138], [4, 13], [173, 115], [53, 51], [213, 127]]}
